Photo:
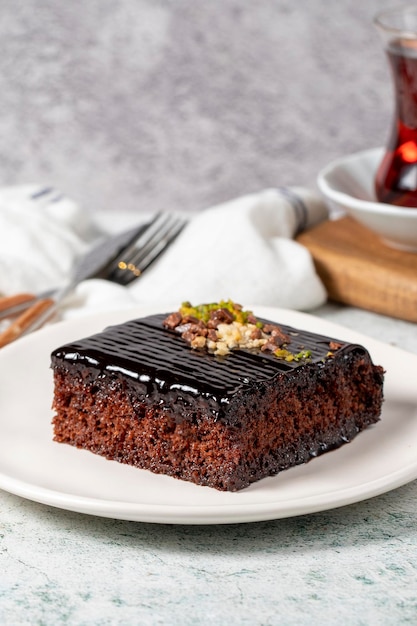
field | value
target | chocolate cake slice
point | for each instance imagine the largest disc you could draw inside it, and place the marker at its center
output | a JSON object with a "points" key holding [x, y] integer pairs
{"points": [[182, 395]]}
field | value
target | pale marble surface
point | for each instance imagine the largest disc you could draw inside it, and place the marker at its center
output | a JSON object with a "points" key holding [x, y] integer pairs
{"points": [[149, 104]]}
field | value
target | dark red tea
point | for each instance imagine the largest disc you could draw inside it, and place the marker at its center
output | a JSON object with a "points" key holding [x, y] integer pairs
{"points": [[396, 179]]}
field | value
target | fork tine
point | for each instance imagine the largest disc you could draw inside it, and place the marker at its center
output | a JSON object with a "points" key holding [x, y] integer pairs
{"points": [[150, 236], [151, 229], [139, 257], [161, 245], [132, 267], [140, 252]]}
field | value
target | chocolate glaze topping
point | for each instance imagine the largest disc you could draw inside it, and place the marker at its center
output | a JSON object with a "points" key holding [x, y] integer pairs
{"points": [[159, 361]]}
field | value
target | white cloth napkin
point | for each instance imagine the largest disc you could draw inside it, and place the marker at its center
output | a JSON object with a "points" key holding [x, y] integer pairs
{"points": [[243, 250], [41, 234]]}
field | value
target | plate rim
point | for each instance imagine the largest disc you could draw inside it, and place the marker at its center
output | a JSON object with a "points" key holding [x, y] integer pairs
{"points": [[207, 514]]}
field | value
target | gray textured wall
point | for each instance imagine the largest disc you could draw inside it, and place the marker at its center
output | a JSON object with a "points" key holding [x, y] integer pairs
{"points": [[150, 104]]}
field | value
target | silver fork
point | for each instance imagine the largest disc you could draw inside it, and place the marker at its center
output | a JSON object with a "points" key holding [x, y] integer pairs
{"points": [[137, 257], [120, 259]]}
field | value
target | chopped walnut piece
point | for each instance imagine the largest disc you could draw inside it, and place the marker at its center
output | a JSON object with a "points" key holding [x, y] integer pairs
{"points": [[188, 336], [211, 334], [220, 316], [192, 320], [172, 320], [221, 348], [277, 336], [269, 346], [198, 329], [198, 342], [256, 333], [335, 345]]}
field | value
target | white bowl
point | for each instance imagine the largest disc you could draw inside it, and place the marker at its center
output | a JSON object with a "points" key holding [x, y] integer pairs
{"points": [[348, 186]]}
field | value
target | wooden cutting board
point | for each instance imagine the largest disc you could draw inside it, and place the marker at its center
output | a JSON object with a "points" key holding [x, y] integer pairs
{"points": [[358, 269]]}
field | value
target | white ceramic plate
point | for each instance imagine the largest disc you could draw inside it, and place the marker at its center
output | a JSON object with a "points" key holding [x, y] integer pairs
{"points": [[34, 467]]}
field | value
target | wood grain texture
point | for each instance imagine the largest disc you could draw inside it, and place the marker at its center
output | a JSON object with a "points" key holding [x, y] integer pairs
{"points": [[358, 269]]}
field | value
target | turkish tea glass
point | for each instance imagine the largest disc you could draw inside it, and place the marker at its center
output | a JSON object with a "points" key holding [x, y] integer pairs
{"points": [[396, 177]]}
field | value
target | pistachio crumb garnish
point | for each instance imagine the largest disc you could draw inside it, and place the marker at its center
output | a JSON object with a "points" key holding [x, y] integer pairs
{"points": [[304, 354], [282, 353]]}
